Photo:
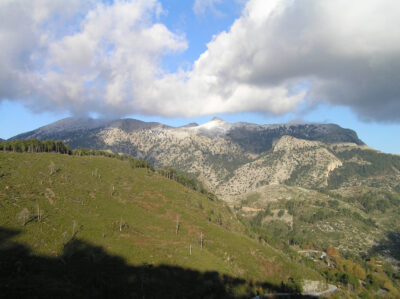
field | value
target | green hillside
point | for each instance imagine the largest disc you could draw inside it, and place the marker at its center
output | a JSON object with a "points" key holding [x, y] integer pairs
{"points": [[86, 224]]}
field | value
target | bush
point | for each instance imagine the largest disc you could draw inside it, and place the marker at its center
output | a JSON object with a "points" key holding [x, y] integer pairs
{"points": [[292, 286], [371, 283], [333, 203], [332, 251], [290, 206]]}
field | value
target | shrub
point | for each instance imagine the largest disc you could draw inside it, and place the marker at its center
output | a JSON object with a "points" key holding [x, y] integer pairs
{"points": [[332, 251]]}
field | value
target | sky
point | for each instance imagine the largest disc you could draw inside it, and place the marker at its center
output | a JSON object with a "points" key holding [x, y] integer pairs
{"points": [[260, 61]]}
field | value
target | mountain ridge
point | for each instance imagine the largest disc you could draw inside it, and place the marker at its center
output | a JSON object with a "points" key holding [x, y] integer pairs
{"points": [[310, 131], [224, 156]]}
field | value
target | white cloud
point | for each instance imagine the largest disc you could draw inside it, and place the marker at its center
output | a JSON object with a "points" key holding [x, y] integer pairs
{"points": [[98, 67], [348, 51], [201, 6], [117, 50], [24, 41]]}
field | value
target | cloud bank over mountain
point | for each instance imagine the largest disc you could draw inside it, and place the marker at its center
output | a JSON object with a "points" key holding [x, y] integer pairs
{"points": [[279, 55]]}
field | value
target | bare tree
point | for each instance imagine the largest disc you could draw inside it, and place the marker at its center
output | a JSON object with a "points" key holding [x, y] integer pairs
{"points": [[52, 167], [201, 240], [65, 237], [219, 219], [177, 225], [23, 216], [74, 227], [121, 224], [39, 213]]}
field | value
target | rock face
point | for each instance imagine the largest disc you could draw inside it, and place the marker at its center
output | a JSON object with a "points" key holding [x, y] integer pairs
{"points": [[312, 286], [292, 161], [258, 139], [229, 158]]}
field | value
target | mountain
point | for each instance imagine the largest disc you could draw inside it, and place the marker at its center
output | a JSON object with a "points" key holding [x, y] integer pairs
{"points": [[217, 152], [301, 189], [234, 159], [251, 137]]}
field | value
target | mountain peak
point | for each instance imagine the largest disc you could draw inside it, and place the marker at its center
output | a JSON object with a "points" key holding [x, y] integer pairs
{"points": [[190, 125], [215, 118], [215, 127], [216, 124]]}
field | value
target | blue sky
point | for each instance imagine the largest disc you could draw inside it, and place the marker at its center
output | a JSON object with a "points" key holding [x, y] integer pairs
{"points": [[372, 113]]}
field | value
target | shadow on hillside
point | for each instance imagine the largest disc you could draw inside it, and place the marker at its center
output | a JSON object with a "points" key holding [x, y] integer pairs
{"points": [[389, 245], [87, 271]]}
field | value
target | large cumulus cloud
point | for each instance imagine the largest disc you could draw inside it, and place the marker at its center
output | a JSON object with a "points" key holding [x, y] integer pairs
{"points": [[98, 65], [277, 55], [348, 52]]}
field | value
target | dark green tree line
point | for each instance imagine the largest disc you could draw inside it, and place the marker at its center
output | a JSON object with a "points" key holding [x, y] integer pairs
{"points": [[35, 146], [51, 146], [184, 179]]}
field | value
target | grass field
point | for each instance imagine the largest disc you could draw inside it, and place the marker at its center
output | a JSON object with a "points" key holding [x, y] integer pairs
{"points": [[75, 214]]}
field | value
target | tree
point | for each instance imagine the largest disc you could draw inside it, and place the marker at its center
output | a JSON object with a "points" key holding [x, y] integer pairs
{"points": [[358, 271], [290, 206], [211, 196], [49, 145]]}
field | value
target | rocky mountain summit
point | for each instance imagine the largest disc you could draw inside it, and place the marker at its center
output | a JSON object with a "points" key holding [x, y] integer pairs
{"points": [[258, 138], [229, 159]]}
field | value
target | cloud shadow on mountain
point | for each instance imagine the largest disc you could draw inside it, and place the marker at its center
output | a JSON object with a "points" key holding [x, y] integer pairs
{"points": [[87, 271], [389, 246]]}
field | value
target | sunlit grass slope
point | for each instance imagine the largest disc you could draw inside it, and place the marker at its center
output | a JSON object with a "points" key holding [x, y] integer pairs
{"points": [[132, 213]]}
